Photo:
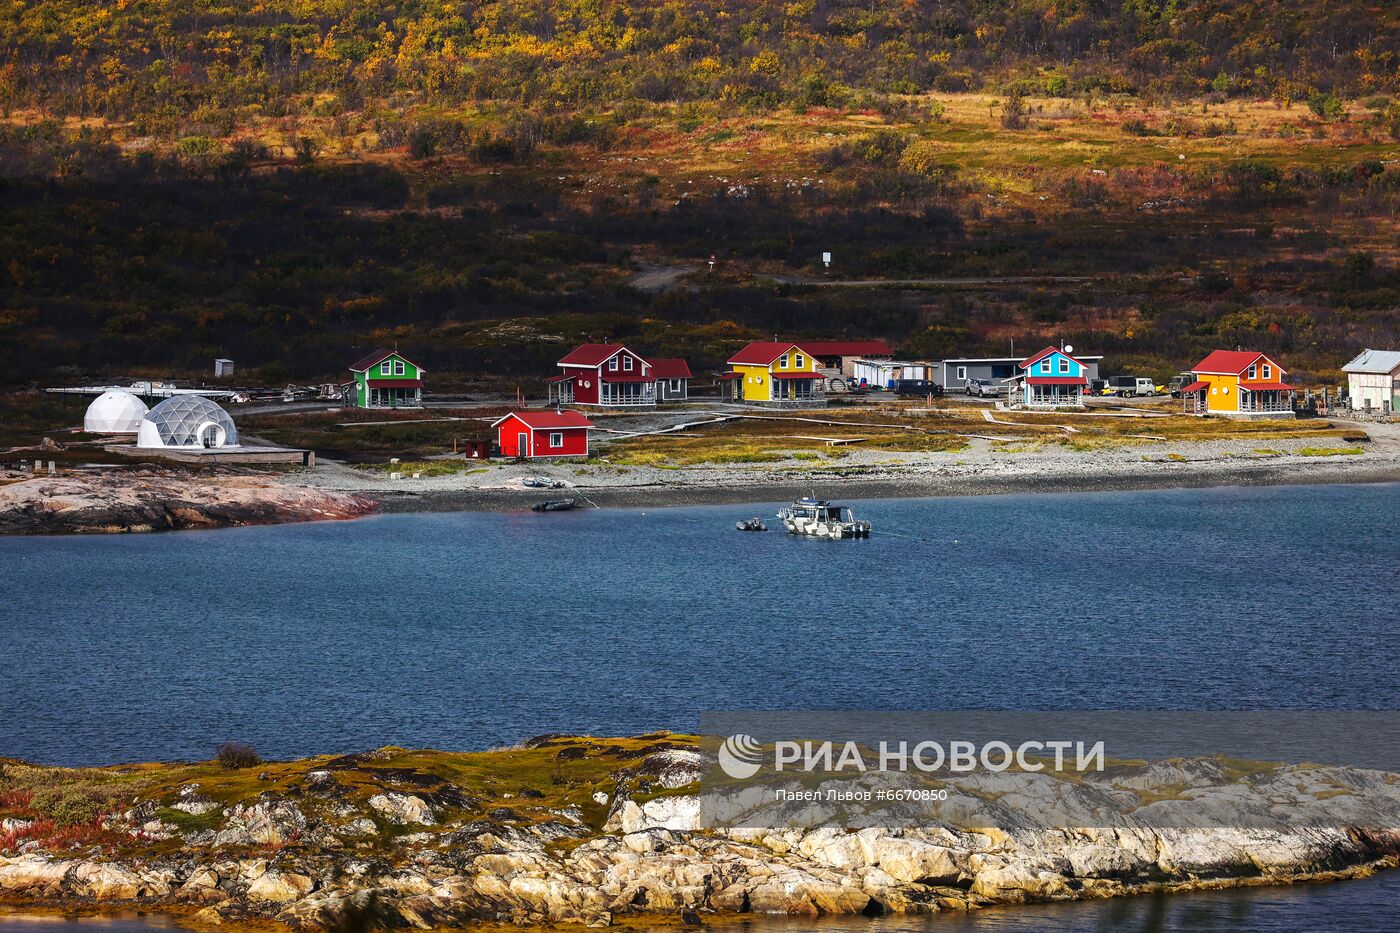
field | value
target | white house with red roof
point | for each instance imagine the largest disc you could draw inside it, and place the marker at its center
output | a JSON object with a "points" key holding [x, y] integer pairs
{"points": [[610, 375], [1239, 383], [543, 433], [1052, 379]]}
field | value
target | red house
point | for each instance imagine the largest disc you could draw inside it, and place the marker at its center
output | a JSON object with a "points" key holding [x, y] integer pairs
{"points": [[606, 374], [543, 433]]}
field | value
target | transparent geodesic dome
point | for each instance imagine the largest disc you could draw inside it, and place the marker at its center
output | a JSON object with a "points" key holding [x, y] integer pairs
{"points": [[114, 413], [187, 421]]}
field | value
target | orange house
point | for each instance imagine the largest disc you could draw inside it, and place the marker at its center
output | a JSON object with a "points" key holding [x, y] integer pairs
{"points": [[1240, 383]]}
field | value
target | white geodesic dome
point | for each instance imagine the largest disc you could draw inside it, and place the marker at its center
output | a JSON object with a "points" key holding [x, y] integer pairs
{"points": [[187, 421], [114, 413]]}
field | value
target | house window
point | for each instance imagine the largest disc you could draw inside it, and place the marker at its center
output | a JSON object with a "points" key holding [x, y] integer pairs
{"points": [[675, 385], [627, 363], [1045, 366], [612, 365], [798, 361], [962, 372], [556, 439], [398, 367], [386, 368], [1253, 372], [1268, 371], [1064, 365]]}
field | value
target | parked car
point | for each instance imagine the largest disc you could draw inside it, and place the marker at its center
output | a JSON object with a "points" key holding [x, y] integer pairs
{"points": [[916, 388], [982, 388], [1132, 385], [1179, 382]]}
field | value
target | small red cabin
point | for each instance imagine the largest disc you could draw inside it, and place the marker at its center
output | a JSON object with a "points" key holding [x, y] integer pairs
{"points": [[543, 434]]}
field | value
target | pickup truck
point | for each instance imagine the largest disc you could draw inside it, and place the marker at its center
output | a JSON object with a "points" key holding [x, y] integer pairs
{"points": [[1179, 382], [1131, 385]]}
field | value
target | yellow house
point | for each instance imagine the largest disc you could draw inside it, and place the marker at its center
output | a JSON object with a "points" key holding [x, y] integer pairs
{"points": [[1239, 383], [777, 373]]}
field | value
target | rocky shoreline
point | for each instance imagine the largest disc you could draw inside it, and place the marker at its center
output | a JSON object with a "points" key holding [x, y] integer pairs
{"points": [[110, 501], [845, 489], [574, 830]]}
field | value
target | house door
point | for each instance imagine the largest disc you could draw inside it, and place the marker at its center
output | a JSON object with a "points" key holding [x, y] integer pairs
{"points": [[522, 441]]}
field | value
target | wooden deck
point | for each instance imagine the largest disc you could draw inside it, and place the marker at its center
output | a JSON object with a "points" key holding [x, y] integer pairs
{"points": [[234, 455]]}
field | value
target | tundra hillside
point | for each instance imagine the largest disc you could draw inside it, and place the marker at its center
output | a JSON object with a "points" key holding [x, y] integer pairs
{"points": [[289, 185]]}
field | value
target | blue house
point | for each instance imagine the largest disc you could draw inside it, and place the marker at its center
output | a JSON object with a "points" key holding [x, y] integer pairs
{"points": [[1053, 379]]}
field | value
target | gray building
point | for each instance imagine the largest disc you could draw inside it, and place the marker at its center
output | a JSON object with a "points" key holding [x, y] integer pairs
{"points": [[952, 373], [672, 379]]}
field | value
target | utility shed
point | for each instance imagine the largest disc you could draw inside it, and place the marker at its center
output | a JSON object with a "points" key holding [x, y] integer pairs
{"points": [[1373, 381]]}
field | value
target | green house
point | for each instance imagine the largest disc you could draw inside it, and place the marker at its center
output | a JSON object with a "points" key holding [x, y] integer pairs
{"points": [[385, 379]]}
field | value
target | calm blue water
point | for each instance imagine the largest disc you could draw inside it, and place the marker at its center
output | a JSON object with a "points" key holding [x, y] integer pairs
{"points": [[471, 630]]}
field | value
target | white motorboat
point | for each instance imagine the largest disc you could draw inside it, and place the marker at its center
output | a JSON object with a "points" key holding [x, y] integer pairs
{"points": [[817, 518]]}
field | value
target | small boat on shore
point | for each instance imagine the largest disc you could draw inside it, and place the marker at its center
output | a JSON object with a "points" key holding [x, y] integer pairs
{"points": [[554, 505], [541, 482], [817, 518], [751, 524]]}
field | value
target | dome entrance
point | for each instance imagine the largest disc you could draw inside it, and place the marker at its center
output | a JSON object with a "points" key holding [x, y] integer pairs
{"points": [[187, 421]]}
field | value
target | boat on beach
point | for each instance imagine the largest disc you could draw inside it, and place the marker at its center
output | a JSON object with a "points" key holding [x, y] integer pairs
{"points": [[818, 518], [554, 505]]}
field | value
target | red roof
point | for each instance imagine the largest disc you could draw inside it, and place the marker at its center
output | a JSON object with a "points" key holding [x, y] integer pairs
{"points": [[1231, 362], [1057, 380], [564, 378], [1266, 386], [792, 375], [378, 356], [847, 348], [730, 376], [1030, 361], [395, 383], [1195, 387], [546, 419], [592, 354], [670, 369], [760, 353]]}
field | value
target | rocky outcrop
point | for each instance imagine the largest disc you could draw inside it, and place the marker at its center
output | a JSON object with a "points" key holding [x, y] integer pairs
{"points": [[615, 834], [149, 499]]}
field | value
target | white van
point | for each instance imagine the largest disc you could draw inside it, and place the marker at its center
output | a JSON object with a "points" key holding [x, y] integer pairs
{"points": [[1131, 385]]}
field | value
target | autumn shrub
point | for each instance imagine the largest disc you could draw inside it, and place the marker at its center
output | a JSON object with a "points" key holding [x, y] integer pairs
{"points": [[1013, 112], [75, 804], [16, 800], [1326, 106], [234, 755]]}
